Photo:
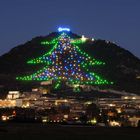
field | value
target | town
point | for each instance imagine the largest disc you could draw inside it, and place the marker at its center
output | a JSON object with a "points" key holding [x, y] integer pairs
{"points": [[41, 106]]}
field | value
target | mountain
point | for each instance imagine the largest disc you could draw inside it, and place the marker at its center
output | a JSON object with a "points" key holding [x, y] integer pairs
{"points": [[122, 67]]}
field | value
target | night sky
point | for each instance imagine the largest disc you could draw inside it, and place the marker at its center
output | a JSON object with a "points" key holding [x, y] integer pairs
{"points": [[114, 20]]}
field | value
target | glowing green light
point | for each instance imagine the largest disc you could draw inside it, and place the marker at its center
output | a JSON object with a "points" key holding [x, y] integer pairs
{"points": [[51, 70]]}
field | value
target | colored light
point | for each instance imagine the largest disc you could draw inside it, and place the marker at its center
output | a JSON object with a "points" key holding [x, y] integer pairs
{"points": [[66, 61], [60, 29], [83, 38]]}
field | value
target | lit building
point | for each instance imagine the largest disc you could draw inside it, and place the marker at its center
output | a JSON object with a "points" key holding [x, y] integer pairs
{"points": [[134, 120], [13, 95], [7, 103]]}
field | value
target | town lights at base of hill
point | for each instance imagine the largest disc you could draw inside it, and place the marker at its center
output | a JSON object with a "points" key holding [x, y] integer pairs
{"points": [[66, 62]]}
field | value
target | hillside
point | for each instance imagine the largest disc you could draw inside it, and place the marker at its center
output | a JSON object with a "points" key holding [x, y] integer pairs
{"points": [[122, 67]]}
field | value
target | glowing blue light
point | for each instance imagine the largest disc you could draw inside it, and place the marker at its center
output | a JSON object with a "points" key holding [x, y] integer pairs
{"points": [[60, 29]]}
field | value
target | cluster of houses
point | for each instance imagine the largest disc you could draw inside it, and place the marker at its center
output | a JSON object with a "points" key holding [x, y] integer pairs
{"points": [[48, 108]]}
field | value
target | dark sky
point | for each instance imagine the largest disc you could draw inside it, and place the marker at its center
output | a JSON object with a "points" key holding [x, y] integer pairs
{"points": [[114, 20]]}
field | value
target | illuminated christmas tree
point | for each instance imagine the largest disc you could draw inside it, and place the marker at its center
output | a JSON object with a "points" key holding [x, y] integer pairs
{"points": [[66, 62]]}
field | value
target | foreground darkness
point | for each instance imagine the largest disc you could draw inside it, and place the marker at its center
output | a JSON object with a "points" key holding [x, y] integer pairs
{"points": [[18, 131]]}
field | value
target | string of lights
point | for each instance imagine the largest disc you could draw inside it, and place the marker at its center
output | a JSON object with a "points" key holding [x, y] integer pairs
{"points": [[65, 61]]}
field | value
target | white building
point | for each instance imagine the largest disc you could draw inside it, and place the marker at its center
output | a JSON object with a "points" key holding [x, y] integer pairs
{"points": [[12, 95], [19, 102]]}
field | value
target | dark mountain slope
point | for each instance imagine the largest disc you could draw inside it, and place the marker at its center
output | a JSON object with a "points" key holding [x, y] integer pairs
{"points": [[122, 67]]}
